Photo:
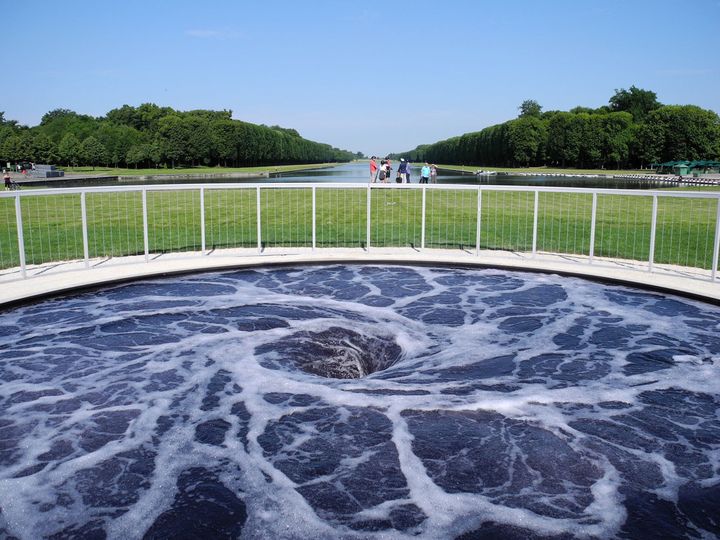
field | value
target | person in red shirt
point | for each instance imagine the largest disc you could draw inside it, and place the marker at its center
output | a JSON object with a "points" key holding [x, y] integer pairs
{"points": [[373, 169]]}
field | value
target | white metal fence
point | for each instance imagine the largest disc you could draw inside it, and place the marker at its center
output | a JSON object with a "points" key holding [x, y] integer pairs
{"points": [[659, 229]]}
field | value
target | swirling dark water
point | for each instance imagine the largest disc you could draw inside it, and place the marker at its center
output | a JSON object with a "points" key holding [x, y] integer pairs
{"points": [[361, 402]]}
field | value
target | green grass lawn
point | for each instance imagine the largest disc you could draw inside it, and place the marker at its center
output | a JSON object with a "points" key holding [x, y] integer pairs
{"points": [[52, 223]]}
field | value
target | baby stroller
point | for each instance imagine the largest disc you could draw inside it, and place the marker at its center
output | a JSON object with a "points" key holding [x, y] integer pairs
{"points": [[10, 184]]}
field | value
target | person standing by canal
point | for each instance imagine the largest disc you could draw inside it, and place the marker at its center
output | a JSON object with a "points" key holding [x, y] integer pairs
{"points": [[388, 169], [373, 169], [433, 174], [402, 171], [425, 173]]}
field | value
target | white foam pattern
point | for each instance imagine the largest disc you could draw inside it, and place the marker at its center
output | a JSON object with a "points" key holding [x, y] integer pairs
{"points": [[360, 402]]}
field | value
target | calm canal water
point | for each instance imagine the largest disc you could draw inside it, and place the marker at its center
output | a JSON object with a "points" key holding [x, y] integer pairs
{"points": [[359, 172]]}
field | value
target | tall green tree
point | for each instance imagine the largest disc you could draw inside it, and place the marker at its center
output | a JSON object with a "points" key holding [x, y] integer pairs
{"points": [[224, 142], [530, 107], [59, 122], [117, 140], [145, 118], [8, 128], [635, 101], [157, 151], [616, 129], [14, 149], [43, 149], [649, 143], [690, 132], [136, 155], [591, 143], [564, 139], [527, 138], [93, 152], [199, 139], [173, 132], [69, 150]]}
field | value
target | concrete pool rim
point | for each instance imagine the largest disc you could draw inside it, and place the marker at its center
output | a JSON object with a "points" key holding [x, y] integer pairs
{"points": [[46, 286]]}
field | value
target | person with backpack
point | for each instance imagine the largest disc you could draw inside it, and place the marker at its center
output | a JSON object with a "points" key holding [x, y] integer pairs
{"points": [[403, 171]]}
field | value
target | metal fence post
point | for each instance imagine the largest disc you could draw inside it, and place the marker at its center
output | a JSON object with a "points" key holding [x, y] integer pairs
{"points": [[422, 222], [83, 215], [314, 218], [202, 221], [21, 236], [479, 221], [146, 242], [716, 247], [653, 230], [367, 233], [593, 223], [535, 223], [259, 222]]}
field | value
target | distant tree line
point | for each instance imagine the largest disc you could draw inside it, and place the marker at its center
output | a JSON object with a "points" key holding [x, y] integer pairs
{"points": [[633, 131], [153, 136]]}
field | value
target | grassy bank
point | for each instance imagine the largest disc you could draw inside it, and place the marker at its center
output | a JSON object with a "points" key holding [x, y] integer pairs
{"points": [[543, 170], [190, 171]]}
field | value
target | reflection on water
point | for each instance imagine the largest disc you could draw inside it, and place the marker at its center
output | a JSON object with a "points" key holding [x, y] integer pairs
{"points": [[358, 172]]}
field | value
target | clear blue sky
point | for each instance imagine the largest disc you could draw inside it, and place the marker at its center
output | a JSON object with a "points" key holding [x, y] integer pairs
{"points": [[364, 75]]}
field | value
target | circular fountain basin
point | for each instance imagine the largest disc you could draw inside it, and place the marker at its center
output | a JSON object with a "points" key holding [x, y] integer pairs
{"points": [[361, 402]]}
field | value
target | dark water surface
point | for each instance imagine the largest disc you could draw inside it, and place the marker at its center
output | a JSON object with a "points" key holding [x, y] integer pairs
{"points": [[360, 402]]}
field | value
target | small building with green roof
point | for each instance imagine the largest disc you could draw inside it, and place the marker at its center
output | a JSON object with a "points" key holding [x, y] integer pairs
{"points": [[685, 167]]}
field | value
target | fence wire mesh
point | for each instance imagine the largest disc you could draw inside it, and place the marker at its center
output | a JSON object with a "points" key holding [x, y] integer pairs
{"points": [[507, 220], [685, 232], [286, 217], [451, 218], [174, 221], [564, 223], [115, 224], [52, 228], [9, 251], [518, 220], [230, 218], [623, 226], [396, 217], [341, 217]]}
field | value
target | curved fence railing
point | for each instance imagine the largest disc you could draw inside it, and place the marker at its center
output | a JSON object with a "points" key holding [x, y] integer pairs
{"points": [[655, 228]]}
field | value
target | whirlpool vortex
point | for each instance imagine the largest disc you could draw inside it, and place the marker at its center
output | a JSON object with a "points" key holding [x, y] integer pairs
{"points": [[361, 402]]}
